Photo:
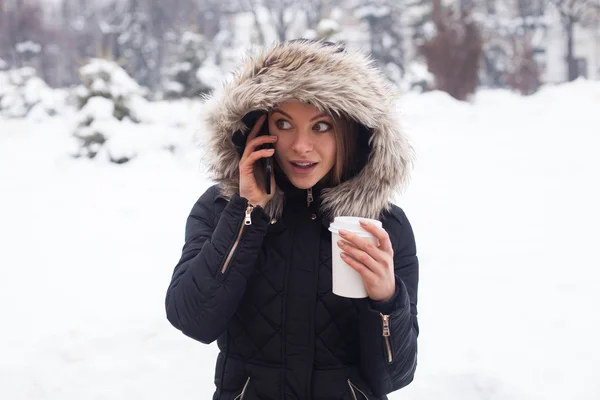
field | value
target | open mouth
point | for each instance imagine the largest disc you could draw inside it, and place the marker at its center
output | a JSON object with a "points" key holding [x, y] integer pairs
{"points": [[303, 167]]}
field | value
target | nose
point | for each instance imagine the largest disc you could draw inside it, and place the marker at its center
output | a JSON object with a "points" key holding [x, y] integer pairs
{"points": [[303, 143]]}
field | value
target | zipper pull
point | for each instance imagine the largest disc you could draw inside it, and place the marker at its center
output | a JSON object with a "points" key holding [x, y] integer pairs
{"points": [[309, 197], [248, 220], [386, 325]]}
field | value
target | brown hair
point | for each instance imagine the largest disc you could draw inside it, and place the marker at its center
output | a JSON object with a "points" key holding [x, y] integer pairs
{"points": [[346, 137]]}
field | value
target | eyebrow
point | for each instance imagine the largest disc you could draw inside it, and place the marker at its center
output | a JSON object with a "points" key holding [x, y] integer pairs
{"points": [[282, 112], [324, 114]]}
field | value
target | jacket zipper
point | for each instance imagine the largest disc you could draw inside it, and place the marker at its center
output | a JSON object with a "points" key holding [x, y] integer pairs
{"points": [[241, 395], [352, 389], [386, 337], [247, 221], [309, 197]]}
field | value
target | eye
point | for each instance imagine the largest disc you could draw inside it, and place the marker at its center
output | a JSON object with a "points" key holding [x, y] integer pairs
{"points": [[282, 124], [322, 127]]}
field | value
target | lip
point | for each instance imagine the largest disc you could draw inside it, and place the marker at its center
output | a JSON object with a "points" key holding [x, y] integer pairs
{"points": [[303, 161], [303, 171]]}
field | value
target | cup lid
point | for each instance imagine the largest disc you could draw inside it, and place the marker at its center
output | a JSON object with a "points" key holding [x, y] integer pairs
{"points": [[351, 224]]}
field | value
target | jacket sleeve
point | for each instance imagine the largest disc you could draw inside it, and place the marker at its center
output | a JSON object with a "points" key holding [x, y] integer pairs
{"points": [[389, 349], [203, 295]]}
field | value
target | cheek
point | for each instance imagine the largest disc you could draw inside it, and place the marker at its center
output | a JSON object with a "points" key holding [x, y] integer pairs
{"points": [[330, 148], [281, 146]]}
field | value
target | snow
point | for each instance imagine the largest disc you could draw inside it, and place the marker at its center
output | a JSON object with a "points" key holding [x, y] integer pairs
{"points": [[209, 74], [372, 11], [328, 27], [28, 46], [167, 127], [417, 76], [503, 202], [105, 77], [23, 93], [97, 107]]}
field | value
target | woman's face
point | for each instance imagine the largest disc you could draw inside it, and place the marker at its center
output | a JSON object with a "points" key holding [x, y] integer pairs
{"points": [[306, 145]]}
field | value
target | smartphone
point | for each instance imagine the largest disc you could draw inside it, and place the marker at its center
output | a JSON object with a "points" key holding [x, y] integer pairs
{"points": [[266, 162], [239, 140]]}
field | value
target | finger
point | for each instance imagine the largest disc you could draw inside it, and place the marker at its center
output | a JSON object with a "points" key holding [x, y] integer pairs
{"points": [[253, 144], [263, 139], [255, 156], [360, 256], [363, 244], [366, 274], [381, 234]]}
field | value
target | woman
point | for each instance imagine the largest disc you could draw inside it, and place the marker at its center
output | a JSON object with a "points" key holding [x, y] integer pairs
{"points": [[255, 273]]}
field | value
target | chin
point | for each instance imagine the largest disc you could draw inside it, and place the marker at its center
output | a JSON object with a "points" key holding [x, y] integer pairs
{"points": [[304, 183]]}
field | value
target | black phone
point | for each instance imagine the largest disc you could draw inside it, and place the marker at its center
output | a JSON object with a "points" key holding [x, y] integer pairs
{"points": [[239, 139], [267, 162]]}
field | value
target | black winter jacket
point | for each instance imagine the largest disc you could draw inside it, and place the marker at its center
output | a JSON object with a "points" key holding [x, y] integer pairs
{"points": [[259, 280]]}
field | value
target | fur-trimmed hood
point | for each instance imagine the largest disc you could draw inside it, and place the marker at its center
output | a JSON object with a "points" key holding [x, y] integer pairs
{"points": [[333, 79]]}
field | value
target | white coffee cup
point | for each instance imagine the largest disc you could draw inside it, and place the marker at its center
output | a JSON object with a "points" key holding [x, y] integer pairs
{"points": [[346, 281]]}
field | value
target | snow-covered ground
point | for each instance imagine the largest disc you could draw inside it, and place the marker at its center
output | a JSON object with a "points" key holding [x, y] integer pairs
{"points": [[504, 202]]}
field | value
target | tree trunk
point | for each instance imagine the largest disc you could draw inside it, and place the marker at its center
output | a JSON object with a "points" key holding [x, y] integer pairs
{"points": [[572, 72], [281, 26]]}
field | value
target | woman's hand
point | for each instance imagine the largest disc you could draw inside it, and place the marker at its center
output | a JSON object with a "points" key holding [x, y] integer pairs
{"points": [[375, 263], [250, 172]]}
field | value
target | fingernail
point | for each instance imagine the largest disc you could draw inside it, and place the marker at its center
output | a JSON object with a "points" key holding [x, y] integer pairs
{"points": [[363, 222], [341, 243], [342, 232], [343, 255]]}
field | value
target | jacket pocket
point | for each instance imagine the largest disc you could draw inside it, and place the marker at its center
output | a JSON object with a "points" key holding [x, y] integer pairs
{"points": [[356, 393], [387, 338], [243, 392]]}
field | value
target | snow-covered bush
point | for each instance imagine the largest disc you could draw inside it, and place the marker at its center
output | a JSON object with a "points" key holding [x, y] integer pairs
{"points": [[192, 71], [103, 137], [107, 97], [23, 94], [115, 123], [103, 78], [95, 123], [327, 28], [417, 78]]}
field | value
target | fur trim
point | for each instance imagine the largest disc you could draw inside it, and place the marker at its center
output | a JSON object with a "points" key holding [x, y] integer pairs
{"points": [[340, 82]]}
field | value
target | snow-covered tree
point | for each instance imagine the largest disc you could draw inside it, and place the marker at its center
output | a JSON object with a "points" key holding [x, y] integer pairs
{"points": [[182, 78], [139, 47], [107, 96], [417, 77], [280, 20], [28, 52], [104, 78], [573, 13], [514, 32], [389, 25], [128, 36], [24, 94], [326, 28]]}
